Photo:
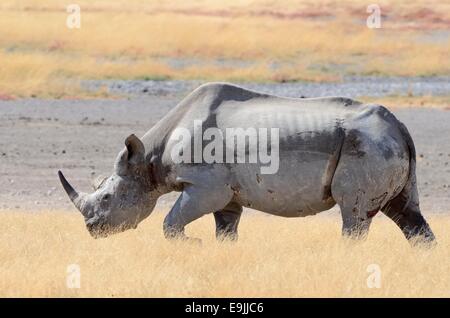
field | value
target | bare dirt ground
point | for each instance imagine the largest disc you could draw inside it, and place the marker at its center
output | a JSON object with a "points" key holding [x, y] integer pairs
{"points": [[83, 137]]}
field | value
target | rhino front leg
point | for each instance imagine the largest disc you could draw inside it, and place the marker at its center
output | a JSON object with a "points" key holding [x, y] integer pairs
{"points": [[227, 221], [194, 202]]}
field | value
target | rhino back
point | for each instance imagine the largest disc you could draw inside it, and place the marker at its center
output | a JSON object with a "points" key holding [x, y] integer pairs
{"points": [[311, 134]]}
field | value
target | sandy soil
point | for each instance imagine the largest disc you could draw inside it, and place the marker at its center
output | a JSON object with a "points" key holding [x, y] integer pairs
{"points": [[83, 137]]}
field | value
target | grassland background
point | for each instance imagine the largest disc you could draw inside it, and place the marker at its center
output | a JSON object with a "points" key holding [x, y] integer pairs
{"points": [[274, 257], [243, 40], [246, 40]]}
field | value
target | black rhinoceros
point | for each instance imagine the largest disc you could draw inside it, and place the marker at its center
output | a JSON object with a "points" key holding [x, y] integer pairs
{"points": [[225, 147]]}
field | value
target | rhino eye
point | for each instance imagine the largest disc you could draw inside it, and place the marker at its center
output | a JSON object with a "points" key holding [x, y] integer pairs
{"points": [[106, 197]]}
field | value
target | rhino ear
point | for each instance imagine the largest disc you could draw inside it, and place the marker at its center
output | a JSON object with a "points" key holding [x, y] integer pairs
{"points": [[135, 149], [132, 155]]}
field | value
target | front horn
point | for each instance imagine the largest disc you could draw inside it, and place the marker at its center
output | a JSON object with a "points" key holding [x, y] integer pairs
{"points": [[78, 199]]}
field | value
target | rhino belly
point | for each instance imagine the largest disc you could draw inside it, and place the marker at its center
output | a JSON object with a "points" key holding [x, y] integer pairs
{"points": [[300, 187]]}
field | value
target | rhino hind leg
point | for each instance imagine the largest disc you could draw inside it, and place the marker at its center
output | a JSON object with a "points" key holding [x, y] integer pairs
{"points": [[354, 226], [353, 196], [364, 181], [357, 208], [404, 210], [227, 221]]}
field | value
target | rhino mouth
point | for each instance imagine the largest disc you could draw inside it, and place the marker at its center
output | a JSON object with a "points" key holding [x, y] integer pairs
{"points": [[98, 231], [103, 230]]}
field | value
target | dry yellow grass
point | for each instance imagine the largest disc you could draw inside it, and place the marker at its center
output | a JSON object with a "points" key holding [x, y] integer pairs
{"points": [[274, 257], [268, 40]]}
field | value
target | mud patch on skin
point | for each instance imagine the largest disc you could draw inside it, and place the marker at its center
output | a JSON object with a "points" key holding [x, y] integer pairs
{"points": [[360, 193], [371, 214], [387, 151], [377, 200], [353, 145], [325, 142], [235, 189]]}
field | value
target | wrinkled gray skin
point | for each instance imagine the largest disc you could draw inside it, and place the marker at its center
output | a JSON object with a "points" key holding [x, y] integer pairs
{"points": [[332, 151]]}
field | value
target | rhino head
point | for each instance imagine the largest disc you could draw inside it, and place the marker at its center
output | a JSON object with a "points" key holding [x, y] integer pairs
{"points": [[121, 201]]}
